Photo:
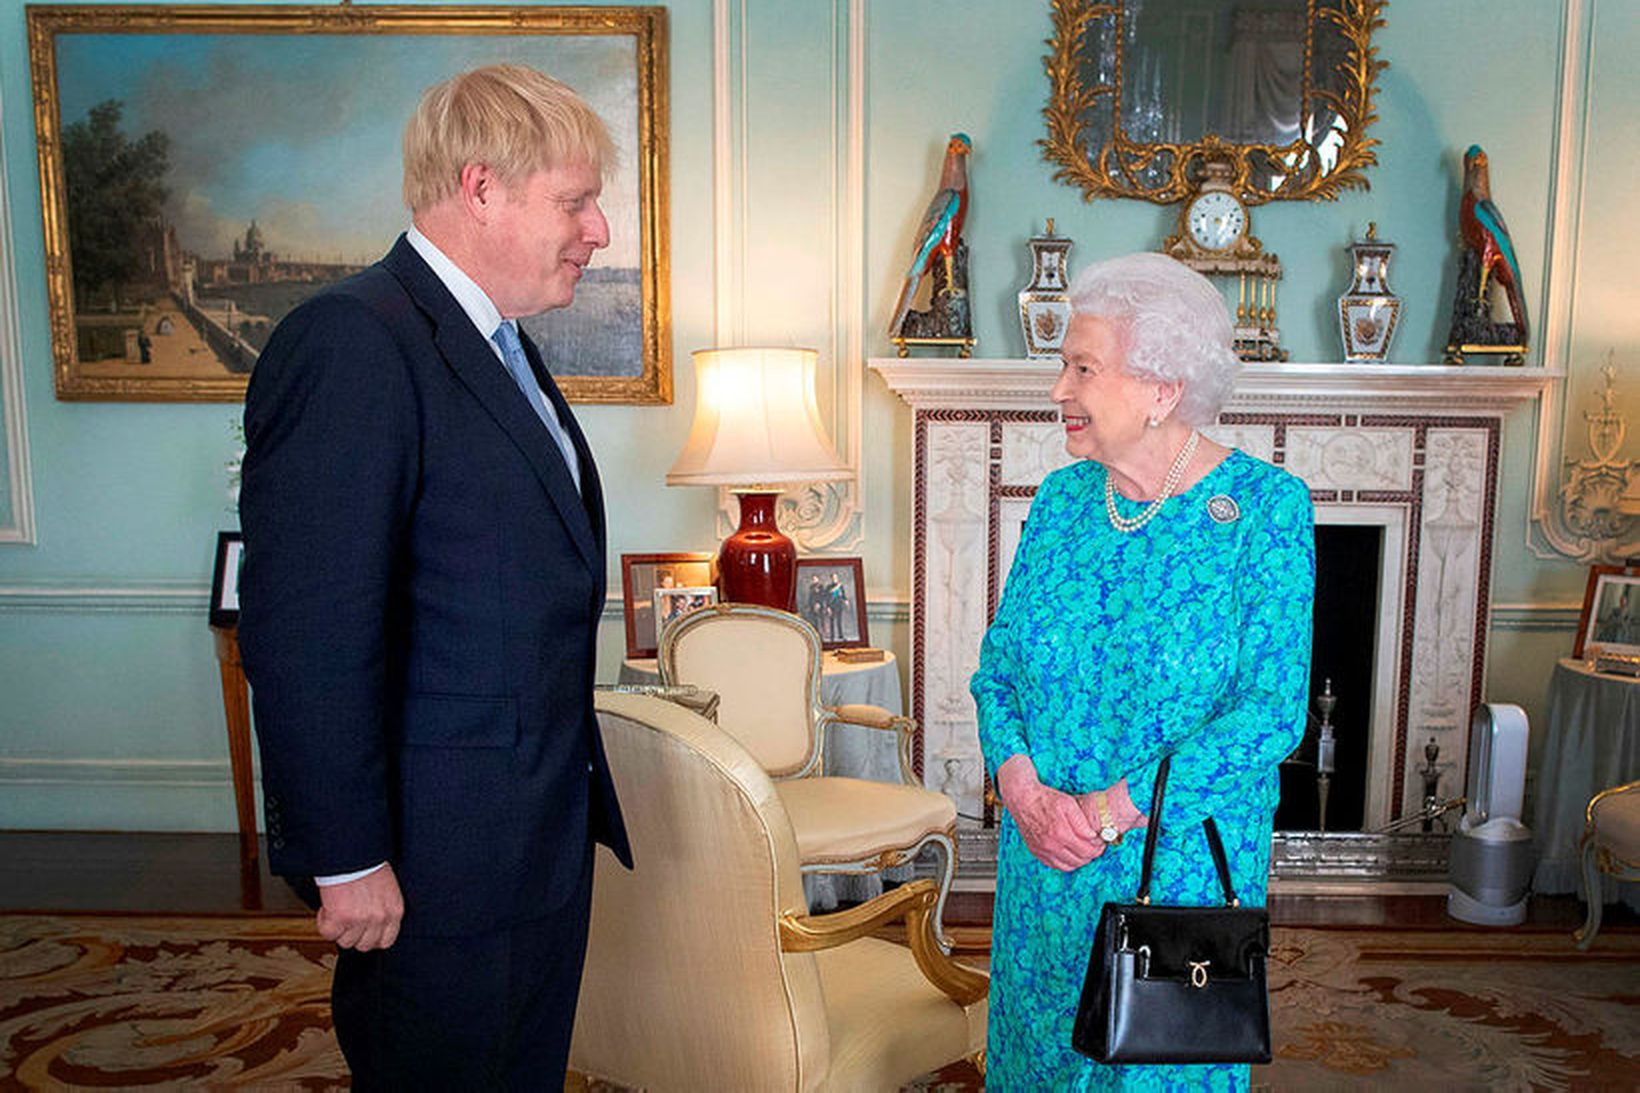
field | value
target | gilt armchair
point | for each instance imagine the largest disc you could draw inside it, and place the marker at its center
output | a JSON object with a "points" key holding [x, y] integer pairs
{"points": [[704, 969], [764, 665]]}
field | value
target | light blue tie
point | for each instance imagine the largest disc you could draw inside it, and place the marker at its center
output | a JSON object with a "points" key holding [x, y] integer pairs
{"points": [[512, 352]]}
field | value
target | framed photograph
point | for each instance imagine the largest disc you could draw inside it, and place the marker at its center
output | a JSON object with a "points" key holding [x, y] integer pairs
{"points": [[672, 604], [230, 554], [831, 595], [642, 575], [1610, 621], [205, 169]]}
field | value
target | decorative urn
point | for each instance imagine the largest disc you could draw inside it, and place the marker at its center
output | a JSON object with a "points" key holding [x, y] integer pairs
{"points": [[1044, 306], [1369, 312]]}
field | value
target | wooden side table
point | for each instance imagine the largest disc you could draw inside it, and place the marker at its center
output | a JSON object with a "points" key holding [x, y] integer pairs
{"points": [[236, 706]]}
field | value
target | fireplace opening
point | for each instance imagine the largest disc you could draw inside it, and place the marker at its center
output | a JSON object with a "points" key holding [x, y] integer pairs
{"points": [[1348, 564]]}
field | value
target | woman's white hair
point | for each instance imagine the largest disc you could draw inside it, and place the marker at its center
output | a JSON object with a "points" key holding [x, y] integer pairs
{"points": [[1173, 323]]}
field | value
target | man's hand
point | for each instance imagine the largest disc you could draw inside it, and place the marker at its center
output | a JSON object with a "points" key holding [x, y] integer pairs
{"points": [[362, 914], [1056, 830]]}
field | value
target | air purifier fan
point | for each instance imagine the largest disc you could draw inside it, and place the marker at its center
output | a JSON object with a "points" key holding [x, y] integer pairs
{"points": [[1491, 862]]}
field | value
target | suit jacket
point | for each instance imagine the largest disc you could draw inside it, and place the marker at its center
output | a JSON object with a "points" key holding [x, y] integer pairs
{"points": [[419, 608]]}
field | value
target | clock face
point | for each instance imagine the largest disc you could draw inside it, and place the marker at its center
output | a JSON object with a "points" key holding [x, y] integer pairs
{"points": [[1215, 220]]}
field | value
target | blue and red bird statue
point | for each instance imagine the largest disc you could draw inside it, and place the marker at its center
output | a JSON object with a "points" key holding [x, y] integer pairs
{"points": [[1488, 256], [940, 249]]}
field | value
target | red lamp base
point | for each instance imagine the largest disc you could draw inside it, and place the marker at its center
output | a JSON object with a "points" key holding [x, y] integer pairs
{"points": [[758, 564]]}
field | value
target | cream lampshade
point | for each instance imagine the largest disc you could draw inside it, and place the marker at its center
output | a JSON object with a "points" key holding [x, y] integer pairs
{"points": [[756, 427]]}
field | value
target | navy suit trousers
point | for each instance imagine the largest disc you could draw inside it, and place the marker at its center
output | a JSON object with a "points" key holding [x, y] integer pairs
{"points": [[491, 1011]]}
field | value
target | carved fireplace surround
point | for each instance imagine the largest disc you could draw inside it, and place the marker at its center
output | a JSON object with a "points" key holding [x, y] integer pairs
{"points": [[1412, 449]]}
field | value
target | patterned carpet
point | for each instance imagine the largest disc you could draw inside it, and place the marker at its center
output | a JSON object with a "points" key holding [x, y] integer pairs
{"points": [[1453, 1010], [103, 1001], [180, 1002]]}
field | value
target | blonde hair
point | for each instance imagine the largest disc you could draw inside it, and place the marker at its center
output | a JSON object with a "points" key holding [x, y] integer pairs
{"points": [[1174, 323], [510, 118]]}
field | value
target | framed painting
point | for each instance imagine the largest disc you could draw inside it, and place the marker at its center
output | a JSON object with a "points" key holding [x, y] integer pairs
{"points": [[831, 595], [205, 169], [1610, 620], [643, 578]]}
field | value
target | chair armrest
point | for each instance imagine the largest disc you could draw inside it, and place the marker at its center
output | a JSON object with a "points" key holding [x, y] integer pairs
{"points": [[859, 713], [1588, 813], [875, 717], [690, 697], [915, 903]]}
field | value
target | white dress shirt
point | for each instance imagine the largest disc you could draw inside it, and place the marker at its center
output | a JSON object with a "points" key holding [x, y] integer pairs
{"points": [[486, 317]]}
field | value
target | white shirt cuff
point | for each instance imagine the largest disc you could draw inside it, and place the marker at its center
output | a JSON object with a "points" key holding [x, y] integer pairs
{"points": [[343, 878]]}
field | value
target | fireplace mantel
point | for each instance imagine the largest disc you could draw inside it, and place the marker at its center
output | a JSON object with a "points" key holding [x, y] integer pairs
{"points": [[1412, 449], [1023, 384]]}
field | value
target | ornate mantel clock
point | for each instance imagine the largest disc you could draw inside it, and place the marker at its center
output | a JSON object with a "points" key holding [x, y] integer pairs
{"points": [[1214, 238]]}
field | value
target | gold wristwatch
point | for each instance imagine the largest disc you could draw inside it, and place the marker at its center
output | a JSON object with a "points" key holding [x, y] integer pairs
{"points": [[1107, 820]]}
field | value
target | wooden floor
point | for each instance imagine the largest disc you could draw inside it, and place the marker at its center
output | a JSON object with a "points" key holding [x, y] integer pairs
{"points": [[150, 873], [144, 873]]}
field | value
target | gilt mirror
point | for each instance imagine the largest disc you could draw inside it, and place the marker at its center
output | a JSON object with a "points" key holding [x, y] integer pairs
{"points": [[1143, 92]]}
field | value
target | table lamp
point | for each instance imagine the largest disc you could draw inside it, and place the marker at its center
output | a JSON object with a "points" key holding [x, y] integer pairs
{"points": [[756, 427]]}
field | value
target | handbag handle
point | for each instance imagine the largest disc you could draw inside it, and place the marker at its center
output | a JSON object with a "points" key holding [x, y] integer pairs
{"points": [[1220, 862]]}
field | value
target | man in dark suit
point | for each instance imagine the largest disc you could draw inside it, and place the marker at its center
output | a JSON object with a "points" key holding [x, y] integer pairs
{"points": [[424, 574]]}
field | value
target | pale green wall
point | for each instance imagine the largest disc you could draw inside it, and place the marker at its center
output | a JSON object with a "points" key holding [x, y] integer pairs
{"points": [[109, 715]]}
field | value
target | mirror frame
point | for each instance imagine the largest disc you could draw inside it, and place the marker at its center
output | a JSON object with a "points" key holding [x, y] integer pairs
{"points": [[1112, 171]]}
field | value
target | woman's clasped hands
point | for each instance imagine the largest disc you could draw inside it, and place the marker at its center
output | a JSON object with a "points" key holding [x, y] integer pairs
{"points": [[1060, 829]]}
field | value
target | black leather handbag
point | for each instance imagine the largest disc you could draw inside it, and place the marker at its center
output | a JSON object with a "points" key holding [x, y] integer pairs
{"points": [[1176, 984]]}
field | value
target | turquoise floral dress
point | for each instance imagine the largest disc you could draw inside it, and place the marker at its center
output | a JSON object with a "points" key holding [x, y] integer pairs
{"points": [[1189, 636]]}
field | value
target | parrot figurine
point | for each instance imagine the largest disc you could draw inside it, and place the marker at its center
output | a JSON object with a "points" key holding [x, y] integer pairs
{"points": [[941, 230], [1481, 226]]}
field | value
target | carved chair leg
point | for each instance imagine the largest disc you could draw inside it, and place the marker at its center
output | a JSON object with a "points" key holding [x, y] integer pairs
{"points": [[948, 873], [1594, 892]]}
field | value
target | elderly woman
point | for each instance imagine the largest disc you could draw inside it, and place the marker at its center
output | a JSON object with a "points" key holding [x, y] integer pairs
{"points": [[1159, 603]]}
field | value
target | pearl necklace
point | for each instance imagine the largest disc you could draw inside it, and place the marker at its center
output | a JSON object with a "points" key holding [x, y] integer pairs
{"points": [[1127, 525]]}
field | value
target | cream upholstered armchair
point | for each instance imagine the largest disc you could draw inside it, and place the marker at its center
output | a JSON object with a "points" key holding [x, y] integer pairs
{"points": [[764, 665], [705, 970], [1610, 846]]}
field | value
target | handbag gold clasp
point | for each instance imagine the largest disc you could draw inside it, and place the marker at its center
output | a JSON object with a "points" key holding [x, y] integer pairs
{"points": [[1198, 973]]}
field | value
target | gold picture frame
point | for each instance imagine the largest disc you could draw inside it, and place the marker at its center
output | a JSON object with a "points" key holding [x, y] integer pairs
{"points": [[1089, 145], [242, 157]]}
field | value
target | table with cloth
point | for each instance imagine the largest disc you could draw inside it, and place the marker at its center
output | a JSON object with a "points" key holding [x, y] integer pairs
{"points": [[1591, 742]]}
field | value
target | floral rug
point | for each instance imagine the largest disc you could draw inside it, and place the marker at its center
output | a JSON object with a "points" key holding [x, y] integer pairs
{"points": [[1440, 1009], [1451, 1009], [206, 1003], [107, 1001]]}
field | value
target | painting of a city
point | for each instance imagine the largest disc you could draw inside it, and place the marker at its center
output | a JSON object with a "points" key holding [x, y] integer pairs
{"points": [[204, 172]]}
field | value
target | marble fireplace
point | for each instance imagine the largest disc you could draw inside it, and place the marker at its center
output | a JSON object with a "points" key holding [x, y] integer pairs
{"points": [[1409, 449]]}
